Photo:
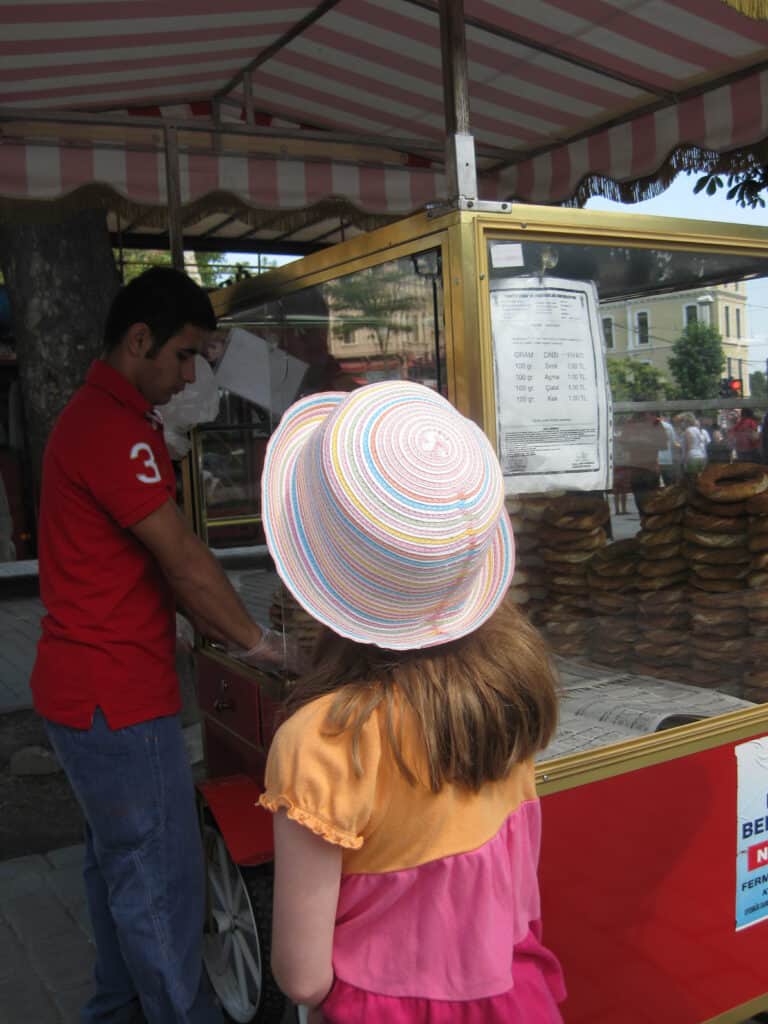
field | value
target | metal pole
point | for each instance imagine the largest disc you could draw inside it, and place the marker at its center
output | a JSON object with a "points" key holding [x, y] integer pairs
{"points": [[248, 97], [460, 146], [173, 190]]}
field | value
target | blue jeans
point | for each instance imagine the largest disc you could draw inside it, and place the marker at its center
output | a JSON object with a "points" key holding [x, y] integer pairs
{"points": [[144, 873]]}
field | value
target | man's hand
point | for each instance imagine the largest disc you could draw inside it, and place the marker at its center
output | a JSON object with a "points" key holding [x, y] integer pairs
{"points": [[274, 650]]}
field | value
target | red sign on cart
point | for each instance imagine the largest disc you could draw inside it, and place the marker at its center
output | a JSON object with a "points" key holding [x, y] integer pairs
{"points": [[757, 856]]}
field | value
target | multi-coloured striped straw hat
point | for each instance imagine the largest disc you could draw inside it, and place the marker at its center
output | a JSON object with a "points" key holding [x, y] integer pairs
{"points": [[384, 513]]}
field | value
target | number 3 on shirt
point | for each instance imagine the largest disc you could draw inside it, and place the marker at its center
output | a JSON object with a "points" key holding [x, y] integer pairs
{"points": [[152, 475]]}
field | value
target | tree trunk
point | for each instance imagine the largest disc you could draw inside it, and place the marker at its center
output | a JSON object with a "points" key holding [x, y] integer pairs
{"points": [[61, 278]]}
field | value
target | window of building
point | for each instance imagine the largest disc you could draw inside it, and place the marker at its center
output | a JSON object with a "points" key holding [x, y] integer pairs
{"points": [[641, 328], [691, 315], [737, 311], [727, 315], [608, 331]]}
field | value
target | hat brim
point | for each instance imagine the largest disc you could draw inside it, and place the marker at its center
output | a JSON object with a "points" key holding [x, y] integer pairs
{"points": [[283, 512]]}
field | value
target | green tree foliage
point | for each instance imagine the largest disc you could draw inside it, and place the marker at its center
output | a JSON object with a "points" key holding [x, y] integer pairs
{"points": [[208, 268], [633, 381], [697, 362], [743, 186], [758, 386], [376, 299]]}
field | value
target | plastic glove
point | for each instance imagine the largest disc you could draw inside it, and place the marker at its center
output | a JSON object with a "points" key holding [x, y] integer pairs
{"points": [[273, 651]]}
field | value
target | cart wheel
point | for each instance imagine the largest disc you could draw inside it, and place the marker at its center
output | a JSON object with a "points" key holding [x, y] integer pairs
{"points": [[238, 934]]}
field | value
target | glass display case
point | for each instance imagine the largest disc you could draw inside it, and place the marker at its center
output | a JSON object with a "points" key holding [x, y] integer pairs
{"points": [[608, 359]]}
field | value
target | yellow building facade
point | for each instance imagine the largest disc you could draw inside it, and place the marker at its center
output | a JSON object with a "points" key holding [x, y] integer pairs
{"points": [[647, 328]]}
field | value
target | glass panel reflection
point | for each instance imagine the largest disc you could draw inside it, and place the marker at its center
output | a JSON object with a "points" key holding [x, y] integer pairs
{"points": [[654, 594]]}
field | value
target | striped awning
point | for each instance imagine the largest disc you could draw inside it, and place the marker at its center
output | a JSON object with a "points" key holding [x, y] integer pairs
{"points": [[294, 119]]}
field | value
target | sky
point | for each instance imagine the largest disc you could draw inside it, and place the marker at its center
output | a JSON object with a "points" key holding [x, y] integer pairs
{"points": [[679, 201]]}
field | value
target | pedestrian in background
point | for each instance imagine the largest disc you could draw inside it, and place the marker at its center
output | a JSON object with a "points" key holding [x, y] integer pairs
{"points": [[745, 436], [114, 551], [406, 819]]}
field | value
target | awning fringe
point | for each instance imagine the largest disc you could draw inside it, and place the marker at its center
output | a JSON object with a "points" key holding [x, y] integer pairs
{"points": [[751, 8]]}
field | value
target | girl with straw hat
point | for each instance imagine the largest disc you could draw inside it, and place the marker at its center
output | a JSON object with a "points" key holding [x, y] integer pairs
{"points": [[406, 820]]}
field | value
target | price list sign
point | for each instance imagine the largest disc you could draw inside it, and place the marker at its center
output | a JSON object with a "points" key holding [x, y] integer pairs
{"points": [[552, 397]]}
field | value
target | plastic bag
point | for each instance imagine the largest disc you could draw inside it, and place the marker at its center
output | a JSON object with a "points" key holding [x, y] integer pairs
{"points": [[197, 403]]}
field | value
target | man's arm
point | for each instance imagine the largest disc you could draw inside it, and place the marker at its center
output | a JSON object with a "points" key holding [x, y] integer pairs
{"points": [[197, 579]]}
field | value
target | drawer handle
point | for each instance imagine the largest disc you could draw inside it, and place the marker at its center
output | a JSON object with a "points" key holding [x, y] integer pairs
{"points": [[221, 704]]}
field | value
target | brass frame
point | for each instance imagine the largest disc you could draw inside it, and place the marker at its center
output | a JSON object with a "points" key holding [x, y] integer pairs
{"points": [[463, 235]]}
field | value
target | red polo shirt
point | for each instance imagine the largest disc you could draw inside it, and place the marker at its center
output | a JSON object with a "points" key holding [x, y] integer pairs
{"points": [[108, 639]]}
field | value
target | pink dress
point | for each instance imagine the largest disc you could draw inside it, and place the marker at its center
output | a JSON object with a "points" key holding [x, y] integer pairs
{"points": [[438, 919]]}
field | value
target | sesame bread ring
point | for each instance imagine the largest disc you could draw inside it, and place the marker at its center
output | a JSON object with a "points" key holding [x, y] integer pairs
{"points": [[658, 522], [610, 583], [669, 535], [657, 600], [720, 572], [758, 542], [662, 635], [664, 500], [717, 556], [716, 586], [658, 582], [716, 540], [735, 481], [612, 603], [569, 627], [718, 646], [723, 629], [526, 542], [662, 567], [570, 582], [662, 551], [618, 549], [611, 570], [758, 505], [757, 679], [574, 557], [577, 512], [758, 580], [701, 599], [706, 617], [757, 649], [580, 520], [521, 525], [674, 620], [578, 540], [716, 508], [713, 524], [653, 649]]}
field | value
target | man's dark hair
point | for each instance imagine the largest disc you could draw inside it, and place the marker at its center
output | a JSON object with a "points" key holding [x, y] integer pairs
{"points": [[164, 299]]}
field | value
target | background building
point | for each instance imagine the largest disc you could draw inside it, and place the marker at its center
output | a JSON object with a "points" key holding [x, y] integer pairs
{"points": [[648, 327]]}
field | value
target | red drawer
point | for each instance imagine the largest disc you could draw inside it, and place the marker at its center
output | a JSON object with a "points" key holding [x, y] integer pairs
{"points": [[229, 699]]}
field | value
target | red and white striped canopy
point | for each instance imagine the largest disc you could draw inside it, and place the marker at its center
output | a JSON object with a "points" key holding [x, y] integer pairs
{"points": [[343, 118]]}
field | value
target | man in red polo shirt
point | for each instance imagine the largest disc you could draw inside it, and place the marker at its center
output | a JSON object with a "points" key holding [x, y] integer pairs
{"points": [[115, 554]]}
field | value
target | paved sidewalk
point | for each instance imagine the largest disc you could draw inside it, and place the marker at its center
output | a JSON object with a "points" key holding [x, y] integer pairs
{"points": [[46, 955]]}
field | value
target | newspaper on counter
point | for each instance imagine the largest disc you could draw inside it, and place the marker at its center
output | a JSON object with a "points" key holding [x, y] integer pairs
{"points": [[600, 707]]}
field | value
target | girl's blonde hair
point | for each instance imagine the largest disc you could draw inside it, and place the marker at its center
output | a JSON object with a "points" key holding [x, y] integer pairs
{"points": [[482, 703]]}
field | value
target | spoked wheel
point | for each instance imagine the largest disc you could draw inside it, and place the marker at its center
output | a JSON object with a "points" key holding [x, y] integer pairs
{"points": [[237, 937]]}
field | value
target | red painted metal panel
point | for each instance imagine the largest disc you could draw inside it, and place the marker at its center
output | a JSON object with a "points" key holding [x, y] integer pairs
{"points": [[638, 878], [246, 827]]}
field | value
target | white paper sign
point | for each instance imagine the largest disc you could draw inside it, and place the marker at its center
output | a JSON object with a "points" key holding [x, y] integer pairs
{"points": [[259, 371], [552, 395]]}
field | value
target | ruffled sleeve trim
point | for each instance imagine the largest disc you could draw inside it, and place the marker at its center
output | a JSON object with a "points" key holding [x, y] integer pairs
{"points": [[324, 829]]}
